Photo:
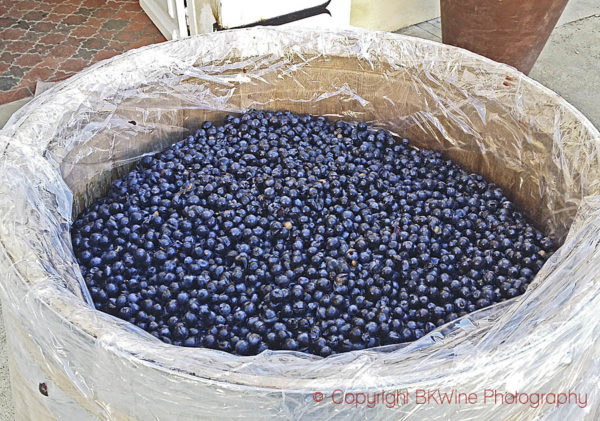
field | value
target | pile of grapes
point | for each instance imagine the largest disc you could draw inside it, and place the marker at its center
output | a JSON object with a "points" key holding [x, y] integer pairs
{"points": [[282, 231]]}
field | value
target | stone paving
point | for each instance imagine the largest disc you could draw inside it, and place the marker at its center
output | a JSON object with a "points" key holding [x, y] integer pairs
{"points": [[49, 40]]}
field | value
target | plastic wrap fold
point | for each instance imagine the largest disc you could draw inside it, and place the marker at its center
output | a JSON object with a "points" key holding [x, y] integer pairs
{"points": [[62, 150]]}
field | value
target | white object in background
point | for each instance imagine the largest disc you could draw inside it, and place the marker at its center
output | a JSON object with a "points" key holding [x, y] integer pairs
{"points": [[176, 19], [235, 13], [391, 15], [201, 16], [169, 16]]}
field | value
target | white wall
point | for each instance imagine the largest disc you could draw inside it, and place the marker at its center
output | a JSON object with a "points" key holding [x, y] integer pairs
{"points": [[390, 15]]}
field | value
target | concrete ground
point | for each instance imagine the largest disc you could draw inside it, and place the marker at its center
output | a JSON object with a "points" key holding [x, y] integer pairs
{"points": [[570, 65]]}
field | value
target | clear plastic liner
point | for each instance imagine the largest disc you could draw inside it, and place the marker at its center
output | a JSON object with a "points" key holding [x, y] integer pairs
{"points": [[61, 151]]}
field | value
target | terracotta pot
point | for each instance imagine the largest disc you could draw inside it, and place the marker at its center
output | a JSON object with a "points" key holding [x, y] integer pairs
{"points": [[509, 31]]}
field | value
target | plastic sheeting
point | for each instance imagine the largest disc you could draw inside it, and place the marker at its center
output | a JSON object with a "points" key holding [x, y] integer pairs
{"points": [[62, 149]]}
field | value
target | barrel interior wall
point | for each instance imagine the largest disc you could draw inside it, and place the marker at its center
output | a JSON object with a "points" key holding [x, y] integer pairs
{"points": [[480, 135]]}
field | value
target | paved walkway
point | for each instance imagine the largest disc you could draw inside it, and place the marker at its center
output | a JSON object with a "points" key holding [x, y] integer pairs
{"points": [[50, 40]]}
